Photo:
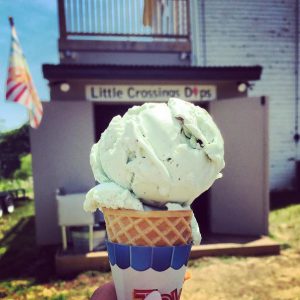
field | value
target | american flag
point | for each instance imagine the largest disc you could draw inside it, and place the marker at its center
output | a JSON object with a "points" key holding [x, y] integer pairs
{"points": [[19, 86]]}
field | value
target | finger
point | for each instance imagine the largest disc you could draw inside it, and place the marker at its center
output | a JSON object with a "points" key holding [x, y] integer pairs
{"points": [[107, 292], [154, 296]]}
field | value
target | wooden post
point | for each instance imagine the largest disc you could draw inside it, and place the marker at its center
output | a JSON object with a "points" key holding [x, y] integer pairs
{"points": [[91, 238], [11, 21], [64, 237], [188, 19], [62, 20]]}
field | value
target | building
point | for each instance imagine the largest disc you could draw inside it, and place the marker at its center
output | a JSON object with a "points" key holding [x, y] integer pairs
{"points": [[264, 33], [108, 63]]}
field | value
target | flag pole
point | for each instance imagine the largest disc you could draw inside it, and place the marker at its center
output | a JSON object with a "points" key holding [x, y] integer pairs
{"points": [[20, 87], [12, 24], [11, 21]]}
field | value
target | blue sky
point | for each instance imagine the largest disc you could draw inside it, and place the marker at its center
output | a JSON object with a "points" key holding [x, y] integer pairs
{"points": [[37, 27]]}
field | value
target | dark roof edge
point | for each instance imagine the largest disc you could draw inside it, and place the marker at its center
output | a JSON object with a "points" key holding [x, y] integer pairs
{"points": [[79, 71]]}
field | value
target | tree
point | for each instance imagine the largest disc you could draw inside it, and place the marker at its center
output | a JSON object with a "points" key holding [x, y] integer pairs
{"points": [[13, 145], [25, 170], [2, 125]]}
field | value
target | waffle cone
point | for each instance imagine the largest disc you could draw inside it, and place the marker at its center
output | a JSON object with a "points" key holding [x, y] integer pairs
{"points": [[148, 228]]}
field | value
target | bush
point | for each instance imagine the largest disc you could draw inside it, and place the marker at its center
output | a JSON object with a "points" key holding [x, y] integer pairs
{"points": [[14, 145], [25, 170]]}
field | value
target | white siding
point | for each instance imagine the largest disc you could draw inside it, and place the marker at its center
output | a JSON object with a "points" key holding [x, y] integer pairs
{"points": [[260, 33]]}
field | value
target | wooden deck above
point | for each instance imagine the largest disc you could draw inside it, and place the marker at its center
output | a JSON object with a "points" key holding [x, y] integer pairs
{"points": [[123, 25]]}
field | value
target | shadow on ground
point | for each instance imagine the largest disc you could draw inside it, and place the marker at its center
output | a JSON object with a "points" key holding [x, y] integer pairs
{"points": [[22, 258], [281, 199]]}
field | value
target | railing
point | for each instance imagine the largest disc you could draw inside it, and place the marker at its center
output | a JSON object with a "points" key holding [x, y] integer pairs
{"points": [[124, 20]]}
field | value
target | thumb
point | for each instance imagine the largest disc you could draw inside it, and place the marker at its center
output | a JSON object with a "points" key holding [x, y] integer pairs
{"points": [[153, 296]]}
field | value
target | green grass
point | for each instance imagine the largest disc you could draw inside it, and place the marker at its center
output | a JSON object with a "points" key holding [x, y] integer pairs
{"points": [[285, 225], [58, 297], [27, 272], [6, 184], [24, 209], [20, 257]]}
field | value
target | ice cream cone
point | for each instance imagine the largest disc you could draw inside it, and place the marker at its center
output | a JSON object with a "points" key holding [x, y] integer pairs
{"points": [[153, 152], [148, 228], [148, 251], [139, 270]]}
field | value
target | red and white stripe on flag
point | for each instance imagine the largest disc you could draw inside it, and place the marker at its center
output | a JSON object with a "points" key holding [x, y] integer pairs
{"points": [[19, 85]]}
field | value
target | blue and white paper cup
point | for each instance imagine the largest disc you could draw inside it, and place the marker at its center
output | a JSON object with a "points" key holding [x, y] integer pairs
{"points": [[139, 270]]}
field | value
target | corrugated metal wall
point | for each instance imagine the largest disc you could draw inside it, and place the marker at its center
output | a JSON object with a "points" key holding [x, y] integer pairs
{"points": [[259, 32]]}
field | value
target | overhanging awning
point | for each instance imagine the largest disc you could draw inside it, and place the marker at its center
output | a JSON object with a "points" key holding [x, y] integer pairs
{"points": [[88, 71]]}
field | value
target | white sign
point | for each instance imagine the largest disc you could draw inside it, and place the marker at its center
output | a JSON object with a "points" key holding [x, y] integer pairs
{"points": [[149, 93]]}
